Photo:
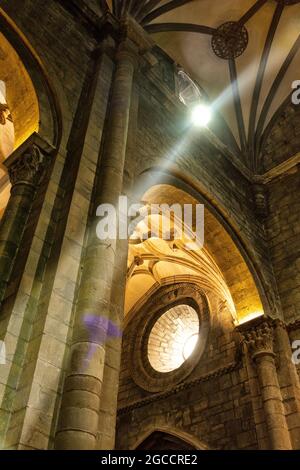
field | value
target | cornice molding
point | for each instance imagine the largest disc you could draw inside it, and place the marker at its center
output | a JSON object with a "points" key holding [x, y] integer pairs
{"points": [[279, 170]]}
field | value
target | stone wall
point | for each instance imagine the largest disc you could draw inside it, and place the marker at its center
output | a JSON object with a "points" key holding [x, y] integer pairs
{"points": [[165, 141], [284, 238], [213, 404], [37, 315], [284, 139], [229, 401]]}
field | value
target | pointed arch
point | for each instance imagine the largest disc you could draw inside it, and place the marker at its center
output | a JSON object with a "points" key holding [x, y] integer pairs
{"points": [[41, 111], [181, 435], [244, 279]]}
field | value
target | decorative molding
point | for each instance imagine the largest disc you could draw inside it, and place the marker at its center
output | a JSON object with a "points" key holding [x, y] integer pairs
{"points": [[28, 168], [260, 200], [293, 326], [279, 170], [27, 164], [180, 387], [230, 40], [259, 339]]}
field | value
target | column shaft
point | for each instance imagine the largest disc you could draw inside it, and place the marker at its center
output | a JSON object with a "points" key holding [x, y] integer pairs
{"points": [[93, 326], [259, 341], [272, 402], [25, 171], [289, 381]]}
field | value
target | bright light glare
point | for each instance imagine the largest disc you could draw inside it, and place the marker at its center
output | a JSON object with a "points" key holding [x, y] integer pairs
{"points": [[189, 346], [201, 115]]}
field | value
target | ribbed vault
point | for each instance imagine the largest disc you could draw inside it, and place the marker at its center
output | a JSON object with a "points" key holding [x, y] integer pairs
{"points": [[244, 55], [217, 267]]}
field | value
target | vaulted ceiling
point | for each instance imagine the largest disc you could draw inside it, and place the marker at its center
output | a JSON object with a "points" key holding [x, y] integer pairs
{"points": [[245, 54], [217, 266]]}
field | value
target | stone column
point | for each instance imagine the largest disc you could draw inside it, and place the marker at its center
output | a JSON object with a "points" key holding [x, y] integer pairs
{"points": [[84, 386], [26, 167], [289, 381], [259, 343]]}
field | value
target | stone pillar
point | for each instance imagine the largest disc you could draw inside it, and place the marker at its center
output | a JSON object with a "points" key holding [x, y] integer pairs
{"points": [[84, 386], [26, 167], [259, 343], [289, 381]]}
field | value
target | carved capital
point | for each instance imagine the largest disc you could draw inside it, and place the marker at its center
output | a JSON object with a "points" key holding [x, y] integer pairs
{"points": [[260, 200], [28, 168], [4, 113], [132, 31], [128, 50], [259, 340]]}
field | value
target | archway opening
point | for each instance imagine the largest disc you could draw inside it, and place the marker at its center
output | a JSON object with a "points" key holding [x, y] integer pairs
{"points": [[217, 266], [19, 109], [167, 274], [159, 440]]}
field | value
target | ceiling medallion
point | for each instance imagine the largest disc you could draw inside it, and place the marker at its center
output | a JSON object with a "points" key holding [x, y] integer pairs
{"points": [[230, 40]]}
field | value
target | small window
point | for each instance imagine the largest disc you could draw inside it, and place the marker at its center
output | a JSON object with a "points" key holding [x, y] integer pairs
{"points": [[189, 91]]}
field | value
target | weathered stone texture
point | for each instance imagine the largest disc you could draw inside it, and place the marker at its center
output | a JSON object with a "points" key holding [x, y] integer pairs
{"points": [[223, 402], [284, 238], [284, 139]]}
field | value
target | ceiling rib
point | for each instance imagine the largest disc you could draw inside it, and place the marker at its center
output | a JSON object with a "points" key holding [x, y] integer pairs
{"points": [[124, 7], [120, 5], [222, 129], [103, 6], [136, 7], [147, 8], [187, 27], [274, 89], [145, 11], [259, 80], [273, 121], [238, 104], [164, 9], [251, 12], [114, 7]]}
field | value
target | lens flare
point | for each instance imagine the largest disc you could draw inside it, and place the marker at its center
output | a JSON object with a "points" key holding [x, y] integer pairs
{"points": [[201, 115]]}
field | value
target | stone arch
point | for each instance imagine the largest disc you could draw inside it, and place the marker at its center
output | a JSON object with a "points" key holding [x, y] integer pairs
{"points": [[190, 439], [7, 131], [244, 280], [26, 78]]}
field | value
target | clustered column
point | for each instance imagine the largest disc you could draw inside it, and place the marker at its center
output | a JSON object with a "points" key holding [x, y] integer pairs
{"points": [[259, 343], [26, 168], [84, 387]]}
